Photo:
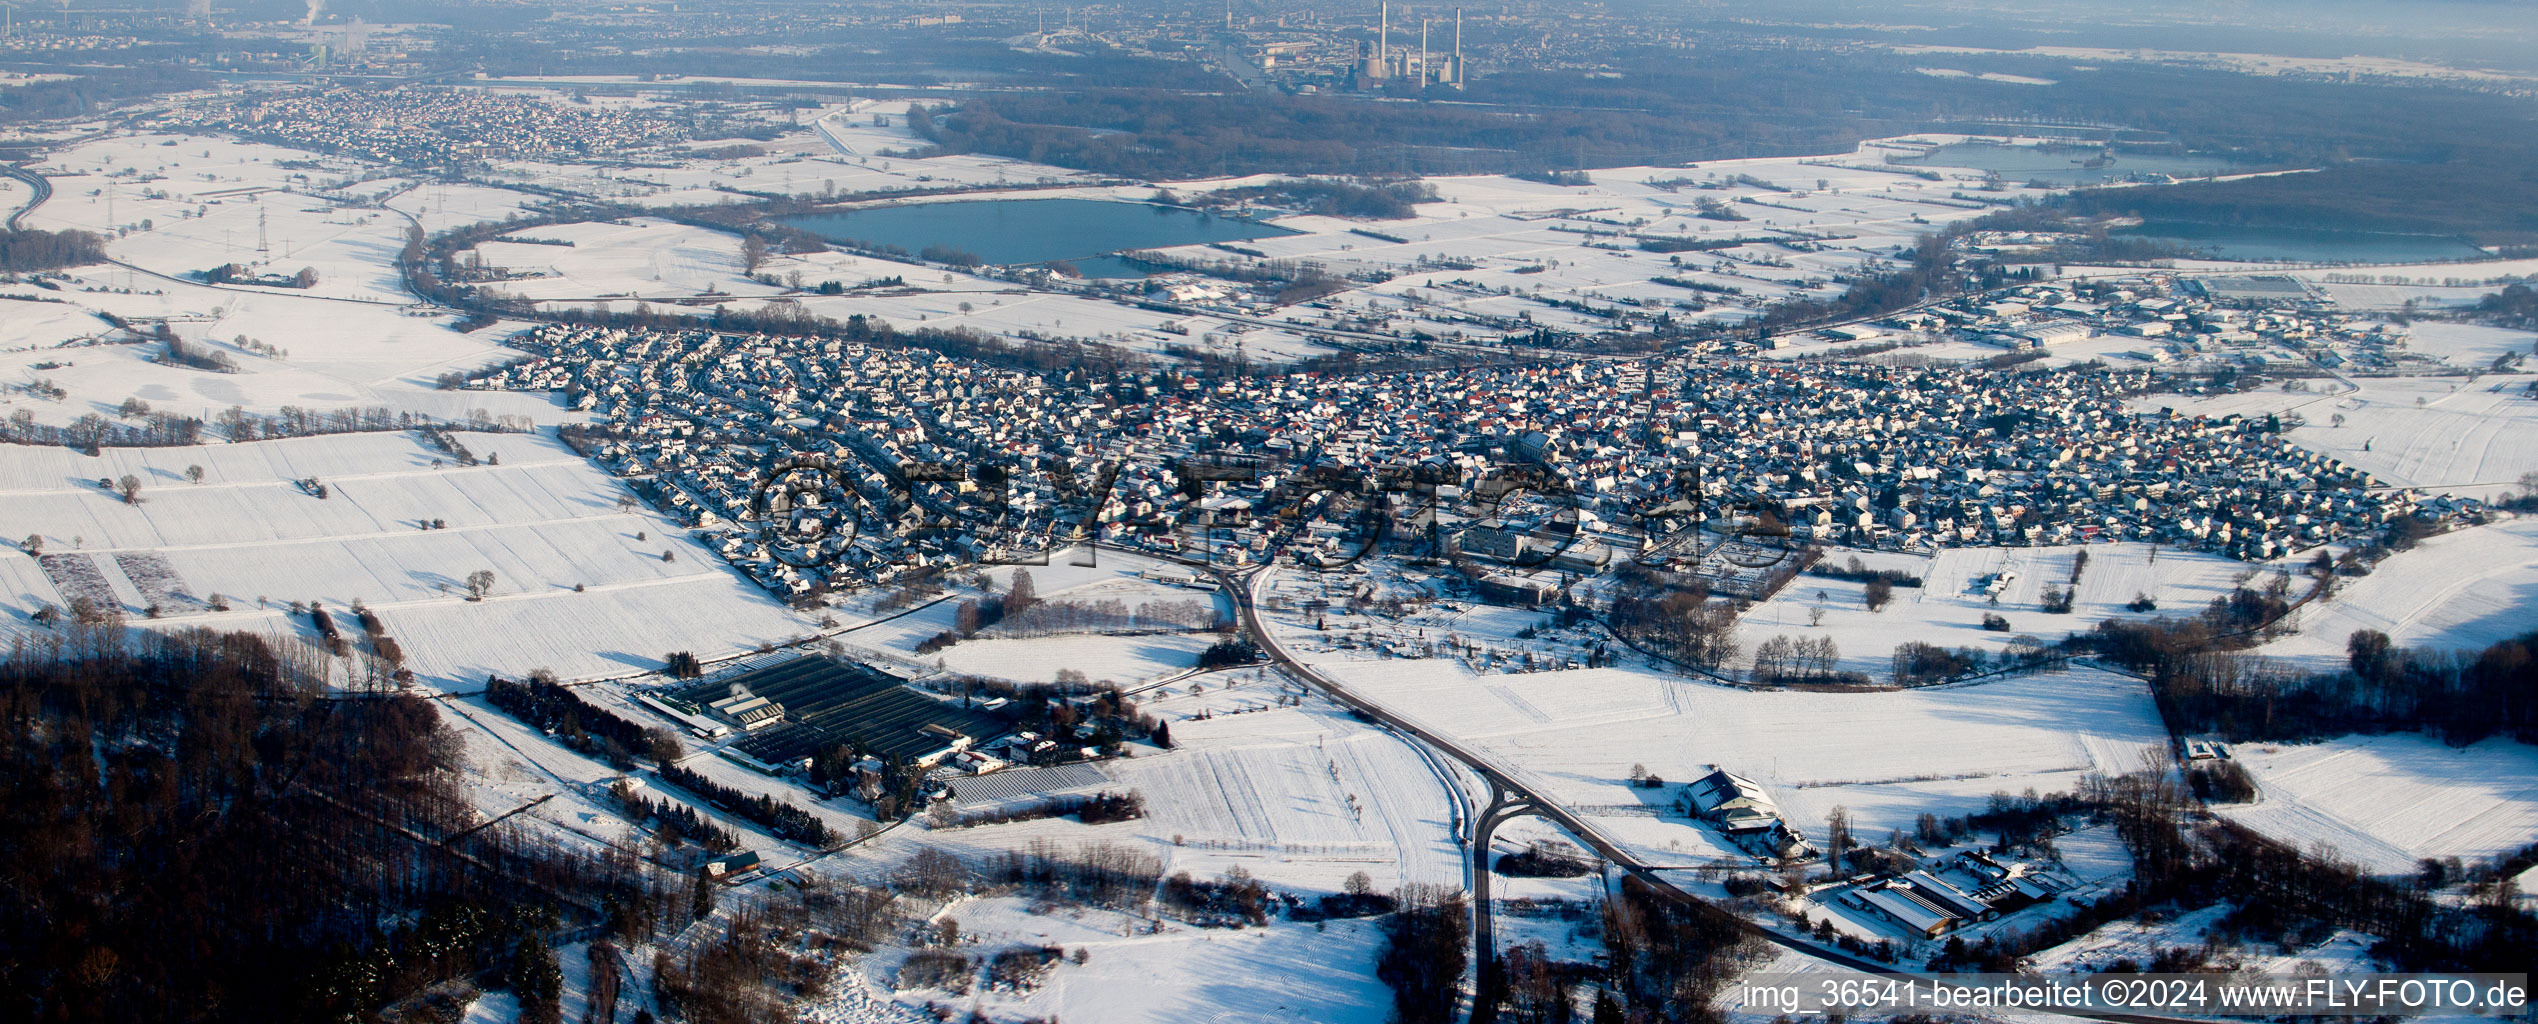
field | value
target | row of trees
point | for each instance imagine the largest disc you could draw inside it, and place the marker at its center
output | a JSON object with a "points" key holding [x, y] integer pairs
{"points": [[973, 615], [1091, 809], [2203, 684], [199, 357], [93, 433], [674, 821], [232, 273], [1783, 658], [144, 427], [581, 725], [1053, 617], [783, 819]]}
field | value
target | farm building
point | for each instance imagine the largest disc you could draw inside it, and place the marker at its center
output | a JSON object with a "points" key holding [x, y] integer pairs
{"points": [[1905, 908], [724, 867], [1942, 898], [1745, 813]]}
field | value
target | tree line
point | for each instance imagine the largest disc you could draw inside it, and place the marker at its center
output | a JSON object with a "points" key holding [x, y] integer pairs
{"points": [[1091, 809], [2203, 685], [579, 724], [673, 821], [1106, 614], [194, 827], [1374, 199], [25, 250], [2514, 306]]}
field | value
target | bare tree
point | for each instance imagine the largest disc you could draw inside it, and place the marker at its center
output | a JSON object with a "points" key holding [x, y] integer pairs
{"points": [[130, 487], [479, 583], [1837, 838], [194, 474], [753, 253]]}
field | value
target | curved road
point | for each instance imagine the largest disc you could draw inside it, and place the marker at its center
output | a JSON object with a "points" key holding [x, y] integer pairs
{"points": [[43, 191], [1240, 587]]}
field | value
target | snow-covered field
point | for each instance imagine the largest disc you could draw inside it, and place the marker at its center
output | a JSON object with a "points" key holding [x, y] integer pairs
{"points": [[2447, 435], [1948, 608], [1301, 797], [2458, 591], [2141, 941], [1274, 975], [2442, 434], [335, 354], [641, 257], [2388, 801], [1127, 660], [581, 587], [2472, 346], [1886, 756]]}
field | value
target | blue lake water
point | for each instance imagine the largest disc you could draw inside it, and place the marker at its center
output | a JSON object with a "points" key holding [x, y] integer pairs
{"points": [[1024, 231], [2307, 245]]}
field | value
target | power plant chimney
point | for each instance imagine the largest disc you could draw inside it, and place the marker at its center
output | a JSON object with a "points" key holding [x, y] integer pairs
{"points": [[1383, 35], [1457, 67]]}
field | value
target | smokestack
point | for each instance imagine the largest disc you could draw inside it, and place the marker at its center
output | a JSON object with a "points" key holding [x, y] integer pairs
{"points": [[1383, 34], [1458, 48], [1423, 52]]}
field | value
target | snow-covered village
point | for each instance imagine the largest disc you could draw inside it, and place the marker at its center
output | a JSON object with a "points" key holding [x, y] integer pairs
{"points": [[876, 512]]}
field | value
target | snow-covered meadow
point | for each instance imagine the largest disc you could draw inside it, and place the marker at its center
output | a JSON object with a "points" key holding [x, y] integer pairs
{"points": [[1299, 796], [581, 585], [1273, 975], [2459, 591], [2386, 802], [1886, 756], [1948, 608]]}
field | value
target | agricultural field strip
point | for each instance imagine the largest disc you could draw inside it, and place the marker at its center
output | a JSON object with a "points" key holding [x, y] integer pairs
{"points": [[1966, 741], [2390, 800]]}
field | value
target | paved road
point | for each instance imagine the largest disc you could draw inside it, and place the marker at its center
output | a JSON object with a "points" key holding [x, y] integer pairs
{"points": [[43, 191], [1240, 587]]}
